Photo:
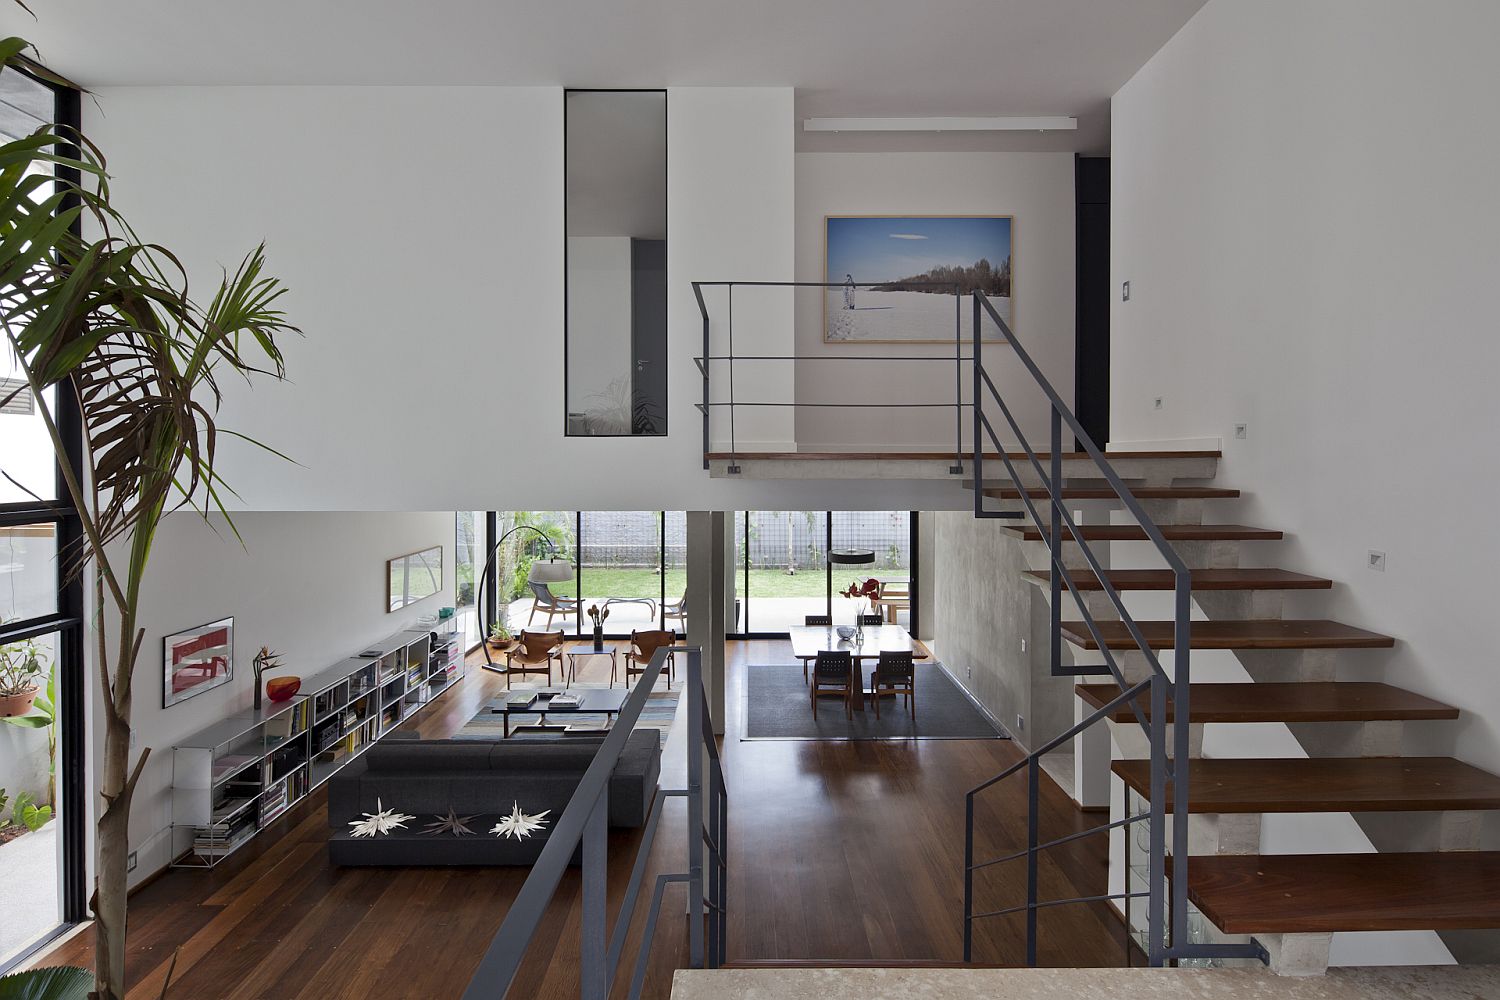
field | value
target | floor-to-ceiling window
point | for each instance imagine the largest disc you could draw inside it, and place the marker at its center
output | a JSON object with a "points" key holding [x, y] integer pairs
{"points": [[470, 548], [41, 613], [634, 563], [782, 573]]}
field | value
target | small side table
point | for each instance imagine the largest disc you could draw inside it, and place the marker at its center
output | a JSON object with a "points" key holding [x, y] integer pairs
{"points": [[588, 650]]}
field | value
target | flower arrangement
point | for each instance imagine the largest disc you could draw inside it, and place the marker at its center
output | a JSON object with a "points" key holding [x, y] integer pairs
{"points": [[862, 592], [598, 615]]}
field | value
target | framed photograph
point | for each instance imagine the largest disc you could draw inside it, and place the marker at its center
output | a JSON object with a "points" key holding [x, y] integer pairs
{"points": [[197, 660], [412, 578], [896, 276]]}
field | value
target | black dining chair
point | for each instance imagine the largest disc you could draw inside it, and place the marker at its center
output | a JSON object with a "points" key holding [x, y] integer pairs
{"points": [[834, 673], [813, 621], [894, 674]]}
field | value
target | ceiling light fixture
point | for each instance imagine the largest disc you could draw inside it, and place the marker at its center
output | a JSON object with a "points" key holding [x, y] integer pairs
{"points": [[1043, 123]]}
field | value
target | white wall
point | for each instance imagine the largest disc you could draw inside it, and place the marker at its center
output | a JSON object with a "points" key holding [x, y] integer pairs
{"points": [[1304, 204], [309, 585], [1036, 188], [420, 232]]}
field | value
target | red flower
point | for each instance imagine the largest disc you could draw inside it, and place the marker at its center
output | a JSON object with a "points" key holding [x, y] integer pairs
{"points": [[871, 588]]}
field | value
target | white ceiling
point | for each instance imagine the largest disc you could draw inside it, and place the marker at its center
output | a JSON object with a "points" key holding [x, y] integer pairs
{"points": [[845, 57]]}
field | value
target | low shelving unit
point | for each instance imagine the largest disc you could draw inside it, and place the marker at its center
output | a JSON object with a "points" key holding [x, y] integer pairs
{"points": [[235, 777]]}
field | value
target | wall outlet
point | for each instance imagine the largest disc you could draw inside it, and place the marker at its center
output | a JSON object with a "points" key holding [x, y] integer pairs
{"points": [[1023, 645], [130, 861], [132, 739], [1125, 292], [1241, 431], [1156, 403], [1377, 561], [1020, 723], [968, 673]]}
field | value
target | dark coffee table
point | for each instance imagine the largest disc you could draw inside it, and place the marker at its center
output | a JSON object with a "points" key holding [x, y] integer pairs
{"points": [[591, 701]]}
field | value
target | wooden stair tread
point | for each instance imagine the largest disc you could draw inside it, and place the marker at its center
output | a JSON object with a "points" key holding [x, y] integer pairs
{"points": [[1316, 893], [1203, 579], [1313, 701], [1327, 784], [1275, 633], [1106, 493], [935, 456], [1171, 532]]}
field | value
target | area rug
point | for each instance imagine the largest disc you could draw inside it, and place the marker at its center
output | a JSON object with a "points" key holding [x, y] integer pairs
{"points": [[658, 713], [777, 708]]}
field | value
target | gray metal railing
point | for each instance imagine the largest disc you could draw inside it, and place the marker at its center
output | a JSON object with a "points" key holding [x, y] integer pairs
{"points": [[585, 822], [1170, 758], [706, 361]]}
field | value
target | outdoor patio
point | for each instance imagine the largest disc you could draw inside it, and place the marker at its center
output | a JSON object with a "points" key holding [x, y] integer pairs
{"points": [[28, 888]]}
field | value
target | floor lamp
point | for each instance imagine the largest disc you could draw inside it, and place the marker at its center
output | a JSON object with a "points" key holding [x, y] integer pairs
{"points": [[549, 570]]}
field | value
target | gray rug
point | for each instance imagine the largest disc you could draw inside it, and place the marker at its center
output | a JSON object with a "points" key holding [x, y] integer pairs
{"points": [[777, 708]]}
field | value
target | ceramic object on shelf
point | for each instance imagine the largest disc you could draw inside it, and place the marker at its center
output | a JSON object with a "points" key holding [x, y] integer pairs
{"points": [[280, 689]]}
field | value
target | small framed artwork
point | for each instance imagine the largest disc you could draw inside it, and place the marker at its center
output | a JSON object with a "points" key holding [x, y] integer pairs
{"points": [[197, 660], [893, 278], [412, 578]]}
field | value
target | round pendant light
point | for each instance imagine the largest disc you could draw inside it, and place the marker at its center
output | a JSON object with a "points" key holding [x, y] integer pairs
{"points": [[851, 557]]}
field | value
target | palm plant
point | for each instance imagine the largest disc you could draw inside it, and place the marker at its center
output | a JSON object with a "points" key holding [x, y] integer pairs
{"points": [[106, 320]]}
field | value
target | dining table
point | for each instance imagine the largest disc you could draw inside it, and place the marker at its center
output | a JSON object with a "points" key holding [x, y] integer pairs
{"points": [[808, 641]]}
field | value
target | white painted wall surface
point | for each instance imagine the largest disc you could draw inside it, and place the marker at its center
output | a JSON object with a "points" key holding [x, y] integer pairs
{"points": [[1304, 204], [1035, 188], [309, 585], [420, 232]]}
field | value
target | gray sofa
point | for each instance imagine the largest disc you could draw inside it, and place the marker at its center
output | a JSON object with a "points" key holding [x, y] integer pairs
{"points": [[480, 779]]}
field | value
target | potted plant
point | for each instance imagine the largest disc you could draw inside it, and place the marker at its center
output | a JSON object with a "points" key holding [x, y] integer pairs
{"points": [[861, 592], [22, 668], [500, 636]]}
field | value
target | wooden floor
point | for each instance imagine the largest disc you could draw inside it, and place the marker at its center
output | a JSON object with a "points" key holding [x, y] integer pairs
{"points": [[844, 852]]}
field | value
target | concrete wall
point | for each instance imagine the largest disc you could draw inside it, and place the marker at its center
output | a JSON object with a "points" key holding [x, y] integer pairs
{"points": [[983, 612], [309, 585], [1035, 188], [1304, 207]]}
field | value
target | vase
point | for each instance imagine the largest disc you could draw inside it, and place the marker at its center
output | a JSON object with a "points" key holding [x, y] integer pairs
{"points": [[598, 638], [18, 704], [280, 689]]}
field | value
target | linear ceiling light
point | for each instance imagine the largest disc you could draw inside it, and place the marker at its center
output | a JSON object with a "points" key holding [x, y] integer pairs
{"points": [[1042, 123]]}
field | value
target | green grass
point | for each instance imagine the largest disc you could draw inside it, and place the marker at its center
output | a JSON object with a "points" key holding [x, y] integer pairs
{"points": [[641, 582]]}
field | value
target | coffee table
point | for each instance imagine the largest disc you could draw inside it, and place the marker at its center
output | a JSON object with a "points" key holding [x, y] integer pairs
{"points": [[591, 701]]}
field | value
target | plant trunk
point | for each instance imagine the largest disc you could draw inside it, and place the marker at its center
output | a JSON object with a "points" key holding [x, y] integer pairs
{"points": [[109, 885]]}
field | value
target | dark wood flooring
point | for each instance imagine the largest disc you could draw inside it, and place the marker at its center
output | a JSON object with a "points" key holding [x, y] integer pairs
{"points": [[839, 852]]}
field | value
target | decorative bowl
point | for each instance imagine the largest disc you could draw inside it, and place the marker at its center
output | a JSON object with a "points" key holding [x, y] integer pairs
{"points": [[845, 631], [282, 688]]}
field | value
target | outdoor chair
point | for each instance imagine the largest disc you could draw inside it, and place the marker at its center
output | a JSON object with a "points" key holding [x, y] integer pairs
{"points": [[544, 600]]}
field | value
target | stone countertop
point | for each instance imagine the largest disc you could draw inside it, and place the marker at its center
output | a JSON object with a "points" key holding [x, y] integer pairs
{"points": [[1451, 982]]}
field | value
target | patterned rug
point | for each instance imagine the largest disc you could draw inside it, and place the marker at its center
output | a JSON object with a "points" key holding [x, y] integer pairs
{"points": [[658, 713]]}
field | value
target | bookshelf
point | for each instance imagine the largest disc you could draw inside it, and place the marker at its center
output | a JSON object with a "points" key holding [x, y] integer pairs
{"points": [[232, 779]]}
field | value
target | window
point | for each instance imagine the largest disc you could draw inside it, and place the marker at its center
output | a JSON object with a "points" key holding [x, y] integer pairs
{"points": [[41, 607], [470, 553], [782, 573], [615, 332]]}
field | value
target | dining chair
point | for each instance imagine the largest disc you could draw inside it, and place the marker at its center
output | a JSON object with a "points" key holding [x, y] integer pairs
{"points": [[542, 599], [875, 619], [813, 621], [894, 674], [534, 654], [643, 645], [834, 672]]}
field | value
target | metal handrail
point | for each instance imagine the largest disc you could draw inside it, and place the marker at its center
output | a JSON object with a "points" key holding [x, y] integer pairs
{"points": [[1166, 929], [584, 822], [706, 360]]}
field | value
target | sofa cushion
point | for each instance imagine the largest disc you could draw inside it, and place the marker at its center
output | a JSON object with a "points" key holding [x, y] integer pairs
{"points": [[427, 756]]}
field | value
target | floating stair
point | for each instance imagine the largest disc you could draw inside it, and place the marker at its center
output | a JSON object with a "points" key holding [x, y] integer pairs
{"points": [[1327, 784], [1106, 493], [1274, 633], [1171, 532], [1321, 893], [1203, 579], [1310, 701]]}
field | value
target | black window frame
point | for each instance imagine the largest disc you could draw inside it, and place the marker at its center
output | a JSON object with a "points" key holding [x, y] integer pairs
{"points": [[67, 621]]}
